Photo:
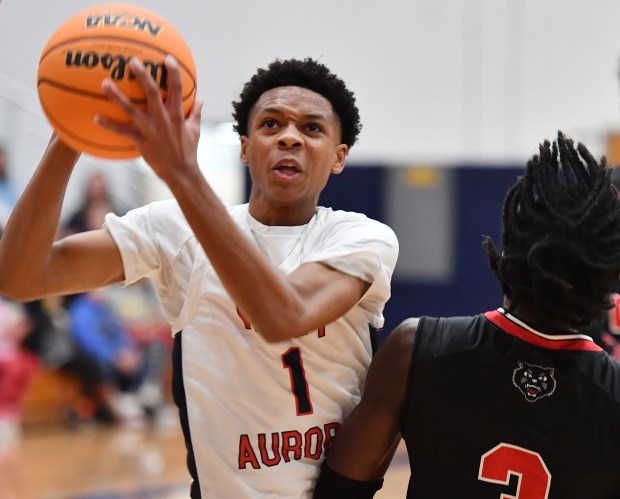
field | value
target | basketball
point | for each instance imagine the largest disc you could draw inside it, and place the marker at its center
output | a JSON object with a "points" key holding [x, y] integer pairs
{"points": [[97, 43]]}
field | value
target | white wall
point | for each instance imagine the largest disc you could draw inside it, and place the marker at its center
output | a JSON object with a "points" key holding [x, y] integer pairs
{"points": [[437, 80]]}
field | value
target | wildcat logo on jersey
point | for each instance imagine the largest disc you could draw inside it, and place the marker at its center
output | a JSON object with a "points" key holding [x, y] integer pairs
{"points": [[534, 382]]}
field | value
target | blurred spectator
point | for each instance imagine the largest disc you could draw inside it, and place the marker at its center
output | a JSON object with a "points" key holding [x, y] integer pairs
{"points": [[52, 341], [9, 192], [137, 307], [102, 335], [18, 368], [96, 204], [124, 337]]}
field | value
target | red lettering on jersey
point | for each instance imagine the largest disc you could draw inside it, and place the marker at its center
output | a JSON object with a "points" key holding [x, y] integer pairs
{"points": [[504, 460], [313, 439], [291, 442], [330, 432], [246, 322], [246, 454], [275, 447], [286, 446]]}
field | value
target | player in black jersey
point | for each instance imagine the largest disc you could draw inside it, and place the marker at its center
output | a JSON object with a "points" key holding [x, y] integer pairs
{"points": [[514, 402]]}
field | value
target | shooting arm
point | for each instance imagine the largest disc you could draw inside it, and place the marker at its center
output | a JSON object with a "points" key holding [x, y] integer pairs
{"points": [[32, 264]]}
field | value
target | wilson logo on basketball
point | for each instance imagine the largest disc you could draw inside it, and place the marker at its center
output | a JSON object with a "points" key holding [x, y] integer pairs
{"points": [[116, 65], [97, 43], [127, 21]]}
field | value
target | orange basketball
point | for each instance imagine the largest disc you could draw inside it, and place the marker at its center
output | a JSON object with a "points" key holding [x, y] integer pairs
{"points": [[98, 43]]}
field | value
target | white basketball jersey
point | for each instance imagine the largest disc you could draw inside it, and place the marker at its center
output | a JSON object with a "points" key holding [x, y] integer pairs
{"points": [[261, 415]]}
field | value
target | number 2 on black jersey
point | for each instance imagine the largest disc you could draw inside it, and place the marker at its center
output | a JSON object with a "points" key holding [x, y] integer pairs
{"points": [[291, 360]]}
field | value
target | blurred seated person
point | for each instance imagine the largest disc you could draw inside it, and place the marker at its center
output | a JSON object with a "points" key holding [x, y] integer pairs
{"points": [[136, 305], [96, 204], [18, 367], [52, 341], [99, 332]]}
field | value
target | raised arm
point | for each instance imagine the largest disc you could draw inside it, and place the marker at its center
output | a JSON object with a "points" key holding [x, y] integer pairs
{"points": [[278, 306], [363, 448], [32, 263]]}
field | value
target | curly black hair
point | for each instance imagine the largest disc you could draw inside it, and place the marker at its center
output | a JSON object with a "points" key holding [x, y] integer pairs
{"points": [[560, 236], [306, 73]]}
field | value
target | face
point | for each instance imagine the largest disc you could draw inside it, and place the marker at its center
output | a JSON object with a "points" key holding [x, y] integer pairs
{"points": [[96, 187], [292, 147]]}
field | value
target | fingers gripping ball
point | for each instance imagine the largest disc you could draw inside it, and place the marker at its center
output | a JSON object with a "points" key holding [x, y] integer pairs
{"points": [[98, 43]]}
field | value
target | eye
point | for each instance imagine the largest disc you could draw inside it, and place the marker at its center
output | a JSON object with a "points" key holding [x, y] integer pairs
{"points": [[314, 127], [270, 123]]}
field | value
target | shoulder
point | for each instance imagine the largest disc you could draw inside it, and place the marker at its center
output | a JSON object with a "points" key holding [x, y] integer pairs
{"points": [[398, 345], [353, 244], [461, 332], [151, 234], [157, 219], [165, 211], [327, 216], [393, 357], [387, 376], [168, 209], [356, 229]]}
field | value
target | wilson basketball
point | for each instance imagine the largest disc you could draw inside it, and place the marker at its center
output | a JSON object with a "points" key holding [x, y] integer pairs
{"points": [[98, 43]]}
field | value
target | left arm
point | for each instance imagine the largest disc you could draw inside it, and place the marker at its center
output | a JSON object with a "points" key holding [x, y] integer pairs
{"points": [[363, 448]]}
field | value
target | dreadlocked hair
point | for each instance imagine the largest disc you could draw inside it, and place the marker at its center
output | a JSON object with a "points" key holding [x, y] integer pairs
{"points": [[560, 236], [306, 73]]}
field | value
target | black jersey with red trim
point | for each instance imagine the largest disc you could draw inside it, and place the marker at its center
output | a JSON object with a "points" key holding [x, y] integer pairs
{"points": [[495, 409]]}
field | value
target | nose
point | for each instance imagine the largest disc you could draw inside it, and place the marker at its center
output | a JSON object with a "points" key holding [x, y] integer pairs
{"points": [[290, 137]]}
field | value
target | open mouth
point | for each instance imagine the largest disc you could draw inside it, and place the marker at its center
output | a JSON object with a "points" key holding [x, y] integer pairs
{"points": [[287, 168], [532, 390]]}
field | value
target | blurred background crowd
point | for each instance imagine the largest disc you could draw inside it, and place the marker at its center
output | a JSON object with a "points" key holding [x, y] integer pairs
{"points": [[107, 348]]}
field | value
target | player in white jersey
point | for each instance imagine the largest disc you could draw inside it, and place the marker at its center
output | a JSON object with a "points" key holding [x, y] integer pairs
{"points": [[272, 303]]}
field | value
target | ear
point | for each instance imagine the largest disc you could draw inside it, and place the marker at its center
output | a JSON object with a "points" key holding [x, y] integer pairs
{"points": [[243, 152], [341, 155]]}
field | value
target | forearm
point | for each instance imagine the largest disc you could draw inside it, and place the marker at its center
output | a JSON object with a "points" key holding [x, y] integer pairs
{"points": [[365, 445], [258, 289], [30, 232]]}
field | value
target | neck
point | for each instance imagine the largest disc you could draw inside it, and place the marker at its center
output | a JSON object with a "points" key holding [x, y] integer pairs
{"points": [[537, 320], [285, 215]]}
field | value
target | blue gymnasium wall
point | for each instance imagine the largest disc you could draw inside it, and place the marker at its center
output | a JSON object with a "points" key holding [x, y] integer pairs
{"points": [[479, 193]]}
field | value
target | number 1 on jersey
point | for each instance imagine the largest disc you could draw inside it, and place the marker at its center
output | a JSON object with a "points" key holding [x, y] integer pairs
{"points": [[291, 360]]}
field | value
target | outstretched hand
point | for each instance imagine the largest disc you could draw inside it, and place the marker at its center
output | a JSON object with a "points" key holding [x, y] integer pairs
{"points": [[166, 139]]}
